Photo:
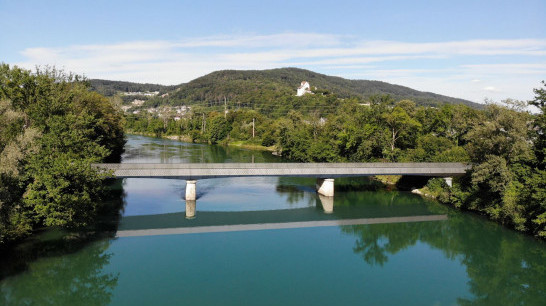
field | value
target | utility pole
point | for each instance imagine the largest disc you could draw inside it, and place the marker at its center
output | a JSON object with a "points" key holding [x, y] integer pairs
{"points": [[253, 124], [225, 108]]}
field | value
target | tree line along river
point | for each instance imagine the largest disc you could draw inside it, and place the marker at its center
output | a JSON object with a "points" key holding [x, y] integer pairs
{"points": [[459, 259]]}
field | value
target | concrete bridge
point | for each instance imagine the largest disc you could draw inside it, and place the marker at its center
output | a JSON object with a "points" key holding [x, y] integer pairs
{"points": [[324, 172]]}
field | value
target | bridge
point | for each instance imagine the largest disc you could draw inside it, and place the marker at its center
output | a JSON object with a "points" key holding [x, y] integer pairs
{"points": [[324, 172]]}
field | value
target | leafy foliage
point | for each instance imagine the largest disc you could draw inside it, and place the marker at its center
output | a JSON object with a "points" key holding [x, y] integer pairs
{"points": [[52, 129], [110, 88]]}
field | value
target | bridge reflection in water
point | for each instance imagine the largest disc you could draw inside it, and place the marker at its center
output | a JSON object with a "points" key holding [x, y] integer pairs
{"points": [[322, 214]]}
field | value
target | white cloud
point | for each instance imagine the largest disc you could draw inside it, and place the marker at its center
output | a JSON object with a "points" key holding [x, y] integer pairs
{"points": [[443, 67], [491, 89], [274, 40]]}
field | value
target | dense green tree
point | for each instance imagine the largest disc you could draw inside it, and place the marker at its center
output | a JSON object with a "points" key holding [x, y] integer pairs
{"points": [[51, 129], [536, 181], [17, 144], [504, 132], [63, 187], [400, 124], [218, 129], [540, 124]]}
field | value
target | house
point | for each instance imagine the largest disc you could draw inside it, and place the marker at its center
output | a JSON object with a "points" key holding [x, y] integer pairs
{"points": [[303, 89]]}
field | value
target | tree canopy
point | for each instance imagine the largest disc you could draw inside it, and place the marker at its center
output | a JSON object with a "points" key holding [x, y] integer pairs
{"points": [[51, 129]]}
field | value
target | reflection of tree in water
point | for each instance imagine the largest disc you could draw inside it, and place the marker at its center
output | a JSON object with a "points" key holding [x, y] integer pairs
{"points": [[60, 268], [508, 269], [375, 242], [73, 279], [359, 184], [217, 153], [505, 268], [293, 194], [296, 189]]}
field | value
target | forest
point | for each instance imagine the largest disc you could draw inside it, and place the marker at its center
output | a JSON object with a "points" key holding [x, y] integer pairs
{"points": [[504, 143], [110, 88], [52, 127]]}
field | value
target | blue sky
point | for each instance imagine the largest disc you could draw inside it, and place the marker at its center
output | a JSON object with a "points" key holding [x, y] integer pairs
{"points": [[467, 49]]}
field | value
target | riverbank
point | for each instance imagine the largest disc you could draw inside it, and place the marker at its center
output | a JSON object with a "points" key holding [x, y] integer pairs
{"points": [[183, 138]]}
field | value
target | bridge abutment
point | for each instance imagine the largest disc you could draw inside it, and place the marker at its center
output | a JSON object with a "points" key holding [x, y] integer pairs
{"points": [[449, 181], [191, 190], [325, 187]]}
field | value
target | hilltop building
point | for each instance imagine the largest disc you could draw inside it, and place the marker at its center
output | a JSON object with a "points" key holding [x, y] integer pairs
{"points": [[303, 89]]}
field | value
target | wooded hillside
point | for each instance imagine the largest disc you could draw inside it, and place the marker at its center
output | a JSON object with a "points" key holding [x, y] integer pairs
{"points": [[259, 87]]}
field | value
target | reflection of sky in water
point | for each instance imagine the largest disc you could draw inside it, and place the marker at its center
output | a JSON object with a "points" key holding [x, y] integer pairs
{"points": [[159, 196]]}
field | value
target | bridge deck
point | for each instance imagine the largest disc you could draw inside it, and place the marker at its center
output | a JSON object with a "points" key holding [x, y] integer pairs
{"points": [[193, 171]]}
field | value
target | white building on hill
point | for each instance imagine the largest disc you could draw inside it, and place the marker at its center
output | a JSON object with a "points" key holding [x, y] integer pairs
{"points": [[303, 89]]}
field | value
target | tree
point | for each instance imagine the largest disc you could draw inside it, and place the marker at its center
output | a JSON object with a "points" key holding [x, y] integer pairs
{"points": [[217, 129], [537, 180], [399, 123], [17, 144], [64, 189], [540, 124], [51, 129], [503, 132]]}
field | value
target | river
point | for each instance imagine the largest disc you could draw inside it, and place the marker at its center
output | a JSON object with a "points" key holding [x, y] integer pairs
{"points": [[273, 241]]}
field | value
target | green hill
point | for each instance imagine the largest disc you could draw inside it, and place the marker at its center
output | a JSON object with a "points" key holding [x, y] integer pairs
{"points": [[251, 86], [261, 87], [110, 88]]}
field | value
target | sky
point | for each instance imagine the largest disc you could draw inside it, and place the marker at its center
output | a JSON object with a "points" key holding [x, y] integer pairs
{"points": [[466, 49]]}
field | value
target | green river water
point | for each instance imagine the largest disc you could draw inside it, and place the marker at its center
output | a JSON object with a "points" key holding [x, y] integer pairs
{"points": [[302, 256]]}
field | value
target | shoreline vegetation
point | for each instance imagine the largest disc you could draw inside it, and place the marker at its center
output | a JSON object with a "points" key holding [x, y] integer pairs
{"points": [[52, 128]]}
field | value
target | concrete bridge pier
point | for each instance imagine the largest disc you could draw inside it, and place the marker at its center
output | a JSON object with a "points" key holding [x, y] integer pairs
{"points": [[190, 209], [325, 187], [449, 181], [327, 203], [190, 191]]}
